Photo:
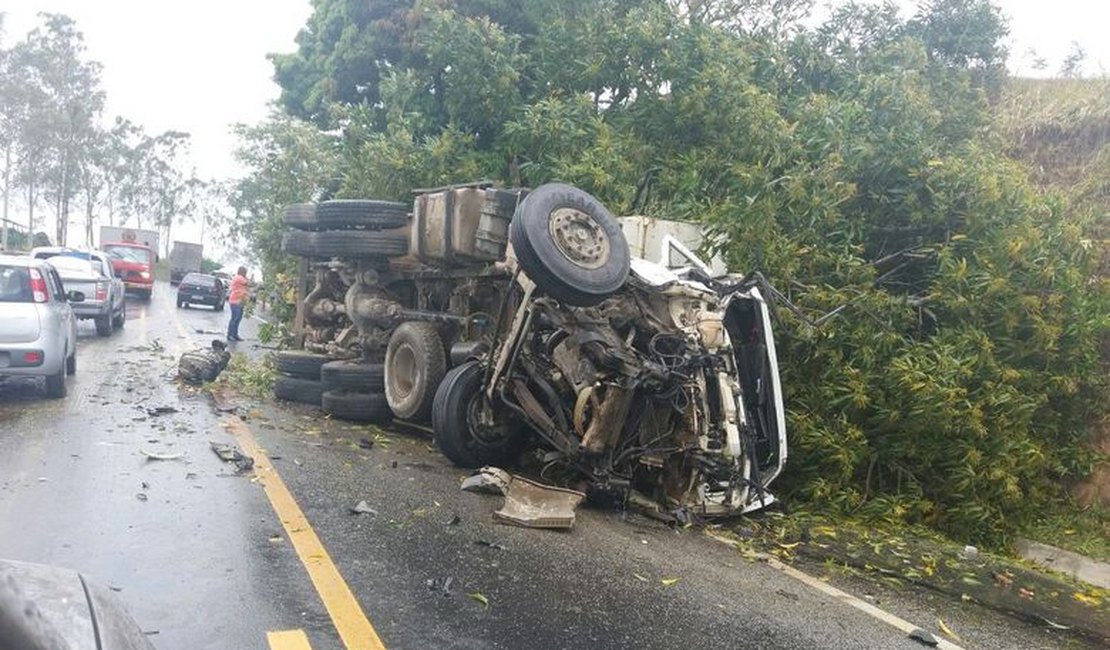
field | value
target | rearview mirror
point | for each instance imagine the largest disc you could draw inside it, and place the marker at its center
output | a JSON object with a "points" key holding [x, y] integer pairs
{"points": [[75, 296]]}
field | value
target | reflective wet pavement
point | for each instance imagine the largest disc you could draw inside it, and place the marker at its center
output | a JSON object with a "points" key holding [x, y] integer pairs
{"points": [[202, 560]]}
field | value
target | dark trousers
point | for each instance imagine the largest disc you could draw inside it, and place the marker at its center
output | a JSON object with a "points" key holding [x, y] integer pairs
{"points": [[233, 324]]}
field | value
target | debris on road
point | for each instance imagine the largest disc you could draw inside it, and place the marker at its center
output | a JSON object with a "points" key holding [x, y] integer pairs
{"points": [[488, 480], [480, 598], [141, 496], [203, 364], [493, 545], [440, 585], [155, 455], [160, 410], [365, 443], [231, 454], [454, 520], [527, 503], [363, 508], [924, 637]]}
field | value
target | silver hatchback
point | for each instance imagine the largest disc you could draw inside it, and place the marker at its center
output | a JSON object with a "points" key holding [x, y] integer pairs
{"points": [[38, 331]]}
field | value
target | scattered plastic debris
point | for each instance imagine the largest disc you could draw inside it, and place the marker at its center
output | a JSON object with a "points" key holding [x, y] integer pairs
{"points": [[155, 455], [365, 443], [488, 480], [493, 545], [363, 508], [922, 636], [160, 410], [440, 585], [231, 454]]}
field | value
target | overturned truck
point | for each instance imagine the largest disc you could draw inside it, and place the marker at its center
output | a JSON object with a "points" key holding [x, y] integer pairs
{"points": [[512, 319]]}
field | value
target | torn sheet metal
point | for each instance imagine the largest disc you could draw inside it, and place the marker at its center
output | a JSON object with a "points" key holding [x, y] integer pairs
{"points": [[527, 503]]}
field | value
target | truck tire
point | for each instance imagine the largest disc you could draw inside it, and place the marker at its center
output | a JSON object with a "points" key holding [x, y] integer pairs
{"points": [[295, 389], [119, 319], [299, 363], [456, 430], [301, 216], [569, 245], [353, 376], [415, 362], [359, 213], [298, 243], [71, 363], [359, 243], [357, 407], [103, 325]]}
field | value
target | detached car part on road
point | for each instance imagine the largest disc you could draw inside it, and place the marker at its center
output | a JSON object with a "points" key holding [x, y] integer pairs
{"points": [[38, 331], [521, 317]]}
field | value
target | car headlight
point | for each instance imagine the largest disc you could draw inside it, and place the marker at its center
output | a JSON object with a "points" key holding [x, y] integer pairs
{"points": [[144, 275]]}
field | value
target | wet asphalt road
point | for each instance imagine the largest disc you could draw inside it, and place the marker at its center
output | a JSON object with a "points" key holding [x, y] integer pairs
{"points": [[200, 558]]}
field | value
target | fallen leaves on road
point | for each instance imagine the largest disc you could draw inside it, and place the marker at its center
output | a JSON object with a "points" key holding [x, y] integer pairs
{"points": [[667, 582], [480, 598], [947, 630]]}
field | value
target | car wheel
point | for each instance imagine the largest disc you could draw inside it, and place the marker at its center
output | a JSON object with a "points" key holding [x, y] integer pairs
{"points": [[299, 363], [460, 429], [415, 363], [71, 363], [104, 325], [56, 384], [301, 216], [353, 376], [219, 306], [120, 318], [295, 389], [357, 407], [570, 245], [360, 213]]}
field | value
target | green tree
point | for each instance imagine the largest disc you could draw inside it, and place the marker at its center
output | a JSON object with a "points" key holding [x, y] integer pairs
{"points": [[851, 161]]}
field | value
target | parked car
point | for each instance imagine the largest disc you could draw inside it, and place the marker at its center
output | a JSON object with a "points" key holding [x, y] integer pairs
{"points": [[38, 330], [89, 272], [201, 289]]}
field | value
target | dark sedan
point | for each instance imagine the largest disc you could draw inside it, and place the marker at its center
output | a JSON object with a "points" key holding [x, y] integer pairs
{"points": [[201, 289]]}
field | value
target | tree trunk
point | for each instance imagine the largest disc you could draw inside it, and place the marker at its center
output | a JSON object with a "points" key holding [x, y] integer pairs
{"points": [[7, 179]]}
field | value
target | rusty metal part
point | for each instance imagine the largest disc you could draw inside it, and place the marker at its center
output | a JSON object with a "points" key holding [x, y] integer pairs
{"points": [[579, 237], [608, 420]]}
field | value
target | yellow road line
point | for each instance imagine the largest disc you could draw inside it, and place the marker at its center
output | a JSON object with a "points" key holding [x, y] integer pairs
{"points": [[350, 621], [288, 640]]}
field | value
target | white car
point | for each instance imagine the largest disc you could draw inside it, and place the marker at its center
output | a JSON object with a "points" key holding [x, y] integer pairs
{"points": [[89, 272], [38, 330]]}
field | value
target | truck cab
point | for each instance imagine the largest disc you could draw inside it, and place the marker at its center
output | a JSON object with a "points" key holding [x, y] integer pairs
{"points": [[134, 264]]}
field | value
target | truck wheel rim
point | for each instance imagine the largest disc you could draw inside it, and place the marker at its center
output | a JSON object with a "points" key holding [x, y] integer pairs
{"points": [[403, 371], [579, 238]]}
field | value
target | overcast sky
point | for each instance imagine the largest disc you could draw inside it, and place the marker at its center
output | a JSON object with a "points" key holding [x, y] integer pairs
{"points": [[200, 66]]}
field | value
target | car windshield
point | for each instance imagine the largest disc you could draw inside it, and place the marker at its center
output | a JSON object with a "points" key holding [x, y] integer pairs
{"points": [[15, 284], [199, 280], [68, 265], [128, 253]]}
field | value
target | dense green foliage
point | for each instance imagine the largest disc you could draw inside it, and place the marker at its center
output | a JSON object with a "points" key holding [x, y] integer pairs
{"points": [[851, 162]]}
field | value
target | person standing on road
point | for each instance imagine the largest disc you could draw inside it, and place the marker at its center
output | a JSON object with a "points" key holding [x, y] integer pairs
{"points": [[237, 299]]}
